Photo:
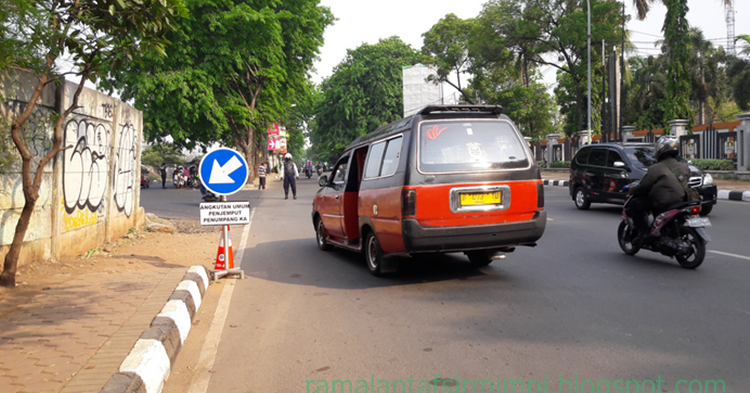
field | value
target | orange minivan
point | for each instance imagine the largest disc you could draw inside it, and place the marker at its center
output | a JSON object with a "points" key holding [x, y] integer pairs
{"points": [[449, 179]]}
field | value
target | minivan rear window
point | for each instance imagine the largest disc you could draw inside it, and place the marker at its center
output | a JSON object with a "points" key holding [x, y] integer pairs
{"points": [[469, 146]]}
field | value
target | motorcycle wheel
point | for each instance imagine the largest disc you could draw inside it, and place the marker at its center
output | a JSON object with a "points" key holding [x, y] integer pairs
{"points": [[697, 252], [626, 245]]}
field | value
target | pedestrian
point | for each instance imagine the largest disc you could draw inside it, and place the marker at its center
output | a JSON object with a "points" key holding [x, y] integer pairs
{"points": [[262, 176], [163, 170], [289, 174]]}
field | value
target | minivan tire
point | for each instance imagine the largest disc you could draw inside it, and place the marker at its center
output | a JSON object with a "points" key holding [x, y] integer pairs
{"points": [[706, 209], [373, 254], [581, 199], [320, 236]]}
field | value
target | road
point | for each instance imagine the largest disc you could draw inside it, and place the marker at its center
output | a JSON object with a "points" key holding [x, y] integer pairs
{"points": [[573, 307]]}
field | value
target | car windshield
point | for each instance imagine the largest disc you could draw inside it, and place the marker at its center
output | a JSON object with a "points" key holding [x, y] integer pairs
{"points": [[642, 156], [470, 146]]}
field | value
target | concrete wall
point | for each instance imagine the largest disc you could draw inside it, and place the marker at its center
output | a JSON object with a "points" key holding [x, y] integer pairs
{"points": [[90, 193]]}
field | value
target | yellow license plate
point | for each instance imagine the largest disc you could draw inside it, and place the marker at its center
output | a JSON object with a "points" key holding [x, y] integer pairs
{"points": [[481, 198]]}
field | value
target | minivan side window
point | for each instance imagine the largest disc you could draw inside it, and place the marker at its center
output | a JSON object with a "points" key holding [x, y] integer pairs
{"points": [[390, 159], [583, 156], [339, 177], [374, 158], [380, 164], [612, 157], [598, 157]]}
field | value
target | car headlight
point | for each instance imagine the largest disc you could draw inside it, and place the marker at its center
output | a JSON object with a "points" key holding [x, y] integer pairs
{"points": [[708, 179]]}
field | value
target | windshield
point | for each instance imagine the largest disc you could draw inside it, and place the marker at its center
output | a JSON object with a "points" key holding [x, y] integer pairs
{"points": [[642, 157], [461, 146]]}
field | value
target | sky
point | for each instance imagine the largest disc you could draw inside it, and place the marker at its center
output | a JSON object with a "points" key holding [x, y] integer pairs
{"points": [[367, 22]]}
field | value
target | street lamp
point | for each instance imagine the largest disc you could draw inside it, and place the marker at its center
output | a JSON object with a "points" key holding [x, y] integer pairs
{"points": [[588, 45]]}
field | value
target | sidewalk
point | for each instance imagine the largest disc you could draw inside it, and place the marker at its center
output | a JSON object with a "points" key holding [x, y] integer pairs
{"points": [[68, 330]]}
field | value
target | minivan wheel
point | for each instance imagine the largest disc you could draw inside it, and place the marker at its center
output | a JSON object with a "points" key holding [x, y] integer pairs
{"points": [[706, 209], [373, 254], [479, 258], [581, 200], [320, 236]]}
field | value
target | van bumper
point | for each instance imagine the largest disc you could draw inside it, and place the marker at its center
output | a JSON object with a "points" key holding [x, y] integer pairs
{"points": [[477, 237]]}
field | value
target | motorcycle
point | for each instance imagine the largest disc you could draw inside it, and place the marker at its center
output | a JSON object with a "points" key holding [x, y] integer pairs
{"points": [[178, 178], [210, 197], [320, 171], [308, 172], [677, 232]]}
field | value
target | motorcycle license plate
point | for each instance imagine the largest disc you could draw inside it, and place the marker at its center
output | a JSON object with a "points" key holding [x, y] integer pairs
{"points": [[697, 222]]}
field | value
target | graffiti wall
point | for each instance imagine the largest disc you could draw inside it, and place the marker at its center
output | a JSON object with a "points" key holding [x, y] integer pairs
{"points": [[90, 192]]}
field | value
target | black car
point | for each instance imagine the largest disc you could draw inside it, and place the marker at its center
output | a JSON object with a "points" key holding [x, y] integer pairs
{"points": [[599, 173]]}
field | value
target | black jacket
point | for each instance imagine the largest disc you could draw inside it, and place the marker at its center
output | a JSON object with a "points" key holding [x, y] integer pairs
{"points": [[661, 185]]}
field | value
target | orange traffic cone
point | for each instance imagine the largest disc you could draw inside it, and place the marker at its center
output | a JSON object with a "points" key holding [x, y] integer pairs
{"points": [[220, 265]]}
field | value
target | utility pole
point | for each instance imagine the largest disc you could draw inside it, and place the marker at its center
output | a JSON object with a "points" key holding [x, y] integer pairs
{"points": [[588, 46], [605, 130], [622, 79]]}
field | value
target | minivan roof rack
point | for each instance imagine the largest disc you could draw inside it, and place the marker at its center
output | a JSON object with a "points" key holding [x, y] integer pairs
{"points": [[497, 109]]}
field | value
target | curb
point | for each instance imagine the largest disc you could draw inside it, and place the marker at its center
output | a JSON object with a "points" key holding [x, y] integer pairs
{"points": [[742, 196], [148, 364], [559, 183]]}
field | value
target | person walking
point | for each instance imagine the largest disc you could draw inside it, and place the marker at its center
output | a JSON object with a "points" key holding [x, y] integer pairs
{"points": [[163, 170], [289, 174], [262, 176]]}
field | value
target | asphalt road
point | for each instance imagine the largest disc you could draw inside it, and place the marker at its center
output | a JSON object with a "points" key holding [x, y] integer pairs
{"points": [[573, 307]]}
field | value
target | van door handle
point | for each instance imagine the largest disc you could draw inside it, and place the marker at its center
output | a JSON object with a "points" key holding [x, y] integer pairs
{"points": [[336, 196]]}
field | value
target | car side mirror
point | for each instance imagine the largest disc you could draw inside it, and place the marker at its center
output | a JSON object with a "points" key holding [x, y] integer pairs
{"points": [[620, 164], [323, 180]]}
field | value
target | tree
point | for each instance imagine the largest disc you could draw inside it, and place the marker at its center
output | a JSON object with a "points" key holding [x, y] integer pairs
{"points": [[234, 67], [93, 35], [676, 41], [553, 33], [446, 46], [364, 92], [157, 153], [646, 95]]}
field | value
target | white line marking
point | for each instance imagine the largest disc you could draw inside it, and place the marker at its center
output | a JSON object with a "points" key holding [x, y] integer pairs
{"points": [[730, 255], [199, 382]]}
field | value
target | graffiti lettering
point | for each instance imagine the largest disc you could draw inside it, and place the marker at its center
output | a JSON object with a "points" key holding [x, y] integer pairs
{"points": [[124, 179], [85, 166], [107, 110], [79, 219]]}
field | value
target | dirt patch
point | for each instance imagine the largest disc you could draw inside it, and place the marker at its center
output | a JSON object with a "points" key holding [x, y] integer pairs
{"points": [[190, 245]]}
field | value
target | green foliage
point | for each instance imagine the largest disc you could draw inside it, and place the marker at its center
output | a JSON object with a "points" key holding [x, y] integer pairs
{"points": [[531, 108], [714, 165], [646, 95], [739, 74], [233, 68], [560, 164], [364, 92], [677, 104], [528, 34], [446, 46], [158, 153]]}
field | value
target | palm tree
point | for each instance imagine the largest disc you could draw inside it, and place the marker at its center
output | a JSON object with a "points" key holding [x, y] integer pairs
{"points": [[676, 40]]}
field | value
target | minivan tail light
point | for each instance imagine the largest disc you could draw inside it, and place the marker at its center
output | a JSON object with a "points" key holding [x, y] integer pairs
{"points": [[540, 195], [408, 203]]}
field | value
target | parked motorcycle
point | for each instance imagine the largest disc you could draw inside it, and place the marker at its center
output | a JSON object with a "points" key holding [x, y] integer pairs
{"points": [[677, 232]]}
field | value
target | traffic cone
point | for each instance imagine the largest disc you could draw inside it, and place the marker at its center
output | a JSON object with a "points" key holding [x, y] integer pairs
{"points": [[220, 265]]}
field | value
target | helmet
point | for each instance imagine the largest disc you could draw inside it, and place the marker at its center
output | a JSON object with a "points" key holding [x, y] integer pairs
{"points": [[666, 146], [288, 156]]}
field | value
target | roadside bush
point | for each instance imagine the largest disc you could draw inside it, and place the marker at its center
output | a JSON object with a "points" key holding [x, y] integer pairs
{"points": [[560, 164], [714, 165]]}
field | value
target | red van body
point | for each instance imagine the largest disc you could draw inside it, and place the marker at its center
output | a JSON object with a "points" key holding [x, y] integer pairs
{"points": [[448, 179]]}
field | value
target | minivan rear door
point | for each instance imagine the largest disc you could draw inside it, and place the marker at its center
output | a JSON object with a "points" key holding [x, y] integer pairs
{"points": [[596, 171]]}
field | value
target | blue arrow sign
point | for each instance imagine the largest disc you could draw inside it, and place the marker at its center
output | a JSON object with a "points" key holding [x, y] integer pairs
{"points": [[223, 171]]}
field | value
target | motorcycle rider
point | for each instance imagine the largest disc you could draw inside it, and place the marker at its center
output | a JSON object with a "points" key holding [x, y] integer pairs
{"points": [[289, 173], [308, 168], [660, 187]]}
